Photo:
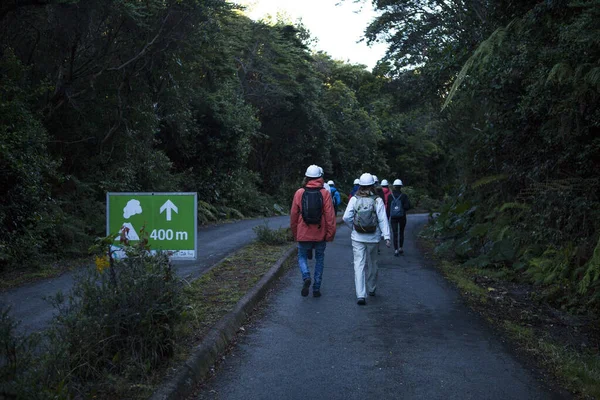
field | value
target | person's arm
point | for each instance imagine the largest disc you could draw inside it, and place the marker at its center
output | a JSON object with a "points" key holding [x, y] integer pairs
{"points": [[382, 217], [349, 213], [295, 211], [329, 214]]}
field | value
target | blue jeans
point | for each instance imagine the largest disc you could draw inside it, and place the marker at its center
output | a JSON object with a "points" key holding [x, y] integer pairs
{"points": [[303, 249]]}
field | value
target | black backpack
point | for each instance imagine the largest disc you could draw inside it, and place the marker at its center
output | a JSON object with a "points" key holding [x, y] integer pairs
{"points": [[396, 207], [312, 205]]}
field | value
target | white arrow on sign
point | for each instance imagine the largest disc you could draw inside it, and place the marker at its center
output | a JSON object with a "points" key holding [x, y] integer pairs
{"points": [[169, 206]]}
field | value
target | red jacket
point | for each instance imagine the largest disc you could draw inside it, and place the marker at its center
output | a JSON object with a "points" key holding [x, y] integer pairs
{"points": [[312, 233], [386, 194]]}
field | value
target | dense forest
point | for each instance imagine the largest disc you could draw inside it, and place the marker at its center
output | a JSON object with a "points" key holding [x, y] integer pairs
{"points": [[489, 105]]}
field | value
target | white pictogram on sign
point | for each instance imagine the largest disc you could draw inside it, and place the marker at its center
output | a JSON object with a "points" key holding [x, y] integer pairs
{"points": [[133, 207], [131, 234], [169, 206]]}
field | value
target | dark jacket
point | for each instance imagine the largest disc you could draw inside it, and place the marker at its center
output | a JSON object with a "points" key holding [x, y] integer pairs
{"points": [[403, 199]]}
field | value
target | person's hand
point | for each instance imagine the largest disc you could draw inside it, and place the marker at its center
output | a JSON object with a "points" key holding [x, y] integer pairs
{"points": [[388, 243]]}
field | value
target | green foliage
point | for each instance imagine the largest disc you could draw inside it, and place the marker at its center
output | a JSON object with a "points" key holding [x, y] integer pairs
{"points": [[116, 323], [269, 236], [26, 168]]}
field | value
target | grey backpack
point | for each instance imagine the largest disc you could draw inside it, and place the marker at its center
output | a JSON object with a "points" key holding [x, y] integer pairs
{"points": [[365, 215]]}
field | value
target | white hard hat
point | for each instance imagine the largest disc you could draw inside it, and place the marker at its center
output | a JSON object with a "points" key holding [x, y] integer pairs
{"points": [[397, 182], [366, 179], [330, 183], [375, 178], [384, 182], [321, 171], [313, 171], [357, 181]]}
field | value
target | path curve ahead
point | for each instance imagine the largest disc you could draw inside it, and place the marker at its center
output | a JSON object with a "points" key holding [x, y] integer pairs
{"points": [[214, 243], [415, 340]]}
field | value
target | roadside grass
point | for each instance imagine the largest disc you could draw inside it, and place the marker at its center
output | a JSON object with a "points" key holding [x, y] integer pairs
{"points": [[576, 370], [462, 279], [580, 372]]}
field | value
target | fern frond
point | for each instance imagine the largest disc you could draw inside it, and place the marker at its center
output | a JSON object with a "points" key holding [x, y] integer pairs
{"points": [[593, 77], [489, 179], [592, 272], [561, 73], [482, 55], [514, 205]]}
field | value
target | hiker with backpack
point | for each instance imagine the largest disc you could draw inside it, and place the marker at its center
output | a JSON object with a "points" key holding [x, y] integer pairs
{"points": [[312, 221], [354, 189], [397, 205], [378, 192], [366, 216], [386, 191], [335, 196]]}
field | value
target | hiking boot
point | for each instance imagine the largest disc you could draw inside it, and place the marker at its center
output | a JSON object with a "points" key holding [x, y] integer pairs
{"points": [[361, 301], [396, 253], [372, 293], [305, 286], [401, 251], [316, 293]]}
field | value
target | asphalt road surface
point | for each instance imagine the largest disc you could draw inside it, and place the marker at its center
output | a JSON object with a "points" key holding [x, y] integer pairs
{"points": [[214, 243], [415, 340]]}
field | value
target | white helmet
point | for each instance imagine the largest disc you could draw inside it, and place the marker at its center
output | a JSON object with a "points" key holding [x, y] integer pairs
{"points": [[313, 172], [397, 182], [375, 178], [384, 182], [357, 181], [330, 183], [321, 171], [366, 179]]}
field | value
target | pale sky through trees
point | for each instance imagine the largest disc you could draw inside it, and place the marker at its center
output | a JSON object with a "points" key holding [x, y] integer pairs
{"points": [[337, 28]]}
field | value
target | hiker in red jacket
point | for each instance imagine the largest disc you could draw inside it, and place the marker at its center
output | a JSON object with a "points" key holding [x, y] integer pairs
{"points": [[386, 191], [312, 220]]}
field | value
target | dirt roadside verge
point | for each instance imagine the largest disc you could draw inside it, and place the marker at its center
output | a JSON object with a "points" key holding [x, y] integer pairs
{"points": [[564, 347]]}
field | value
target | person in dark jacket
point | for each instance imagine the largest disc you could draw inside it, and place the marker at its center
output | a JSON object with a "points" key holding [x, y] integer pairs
{"points": [[354, 189], [397, 205], [335, 195]]}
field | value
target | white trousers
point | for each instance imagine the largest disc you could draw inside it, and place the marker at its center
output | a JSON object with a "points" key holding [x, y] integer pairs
{"points": [[365, 263]]}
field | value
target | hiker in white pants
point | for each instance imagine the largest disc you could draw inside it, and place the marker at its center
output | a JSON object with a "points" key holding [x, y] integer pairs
{"points": [[366, 216]]}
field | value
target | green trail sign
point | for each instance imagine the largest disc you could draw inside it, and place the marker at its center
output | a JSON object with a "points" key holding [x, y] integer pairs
{"points": [[170, 219]]}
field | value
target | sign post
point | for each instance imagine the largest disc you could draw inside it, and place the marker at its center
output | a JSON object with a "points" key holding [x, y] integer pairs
{"points": [[170, 219]]}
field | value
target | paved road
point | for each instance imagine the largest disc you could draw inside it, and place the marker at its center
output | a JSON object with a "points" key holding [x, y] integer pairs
{"points": [[415, 340], [214, 243]]}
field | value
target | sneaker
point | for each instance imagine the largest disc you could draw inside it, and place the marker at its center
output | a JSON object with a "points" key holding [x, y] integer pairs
{"points": [[361, 301], [396, 253], [316, 293], [305, 287], [372, 293]]}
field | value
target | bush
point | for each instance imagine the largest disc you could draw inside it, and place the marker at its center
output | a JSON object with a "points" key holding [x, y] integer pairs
{"points": [[120, 316], [266, 235]]}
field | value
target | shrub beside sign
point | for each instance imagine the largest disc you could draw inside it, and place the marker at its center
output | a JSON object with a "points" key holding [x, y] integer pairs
{"points": [[170, 219]]}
